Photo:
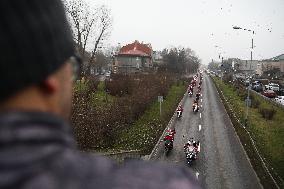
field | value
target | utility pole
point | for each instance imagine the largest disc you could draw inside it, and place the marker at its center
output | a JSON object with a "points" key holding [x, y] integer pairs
{"points": [[222, 68], [248, 101]]}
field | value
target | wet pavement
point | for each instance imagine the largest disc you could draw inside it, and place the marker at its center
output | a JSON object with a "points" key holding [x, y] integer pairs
{"points": [[222, 162]]}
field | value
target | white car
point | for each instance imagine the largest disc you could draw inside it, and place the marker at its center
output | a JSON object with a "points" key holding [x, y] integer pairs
{"points": [[108, 74], [273, 86], [280, 99]]}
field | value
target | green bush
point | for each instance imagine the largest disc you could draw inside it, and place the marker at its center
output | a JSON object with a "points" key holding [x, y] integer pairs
{"points": [[255, 102], [267, 112]]}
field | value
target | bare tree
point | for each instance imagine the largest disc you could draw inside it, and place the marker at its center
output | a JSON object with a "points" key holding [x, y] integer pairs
{"points": [[103, 26], [87, 24], [82, 21]]}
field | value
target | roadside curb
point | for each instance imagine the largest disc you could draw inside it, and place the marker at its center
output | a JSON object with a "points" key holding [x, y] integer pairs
{"points": [[170, 125]]}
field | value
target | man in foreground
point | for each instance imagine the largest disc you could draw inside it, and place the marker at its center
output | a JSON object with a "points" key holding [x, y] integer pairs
{"points": [[37, 149]]}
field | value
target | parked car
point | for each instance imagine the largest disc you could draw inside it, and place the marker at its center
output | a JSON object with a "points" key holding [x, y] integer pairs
{"points": [[273, 86], [280, 99], [256, 83], [281, 91], [269, 93], [258, 88], [108, 74]]}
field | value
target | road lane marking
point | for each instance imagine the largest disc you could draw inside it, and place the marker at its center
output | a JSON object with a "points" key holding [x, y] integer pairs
{"points": [[201, 100], [199, 127], [197, 175], [200, 115]]}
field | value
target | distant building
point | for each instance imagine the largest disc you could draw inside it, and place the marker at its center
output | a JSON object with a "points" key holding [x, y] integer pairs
{"points": [[248, 66], [273, 67], [133, 58], [157, 57], [273, 63]]}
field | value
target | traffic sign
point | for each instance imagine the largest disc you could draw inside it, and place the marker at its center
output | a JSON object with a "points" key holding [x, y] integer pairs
{"points": [[160, 99]]}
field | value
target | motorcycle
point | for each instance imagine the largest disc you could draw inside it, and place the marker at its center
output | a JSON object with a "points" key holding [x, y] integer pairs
{"points": [[179, 113], [195, 108], [191, 153], [168, 146], [197, 97], [190, 93]]}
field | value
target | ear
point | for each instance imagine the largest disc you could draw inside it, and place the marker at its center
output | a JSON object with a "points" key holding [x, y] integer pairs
{"points": [[50, 85]]}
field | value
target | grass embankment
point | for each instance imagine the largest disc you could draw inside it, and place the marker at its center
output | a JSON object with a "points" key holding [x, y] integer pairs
{"points": [[267, 134], [145, 132]]}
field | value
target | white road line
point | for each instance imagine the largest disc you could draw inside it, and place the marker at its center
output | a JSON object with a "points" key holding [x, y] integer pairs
{"points": [[201, 106], [197, 175], [201, 100], [200, 115], [199, 127]]}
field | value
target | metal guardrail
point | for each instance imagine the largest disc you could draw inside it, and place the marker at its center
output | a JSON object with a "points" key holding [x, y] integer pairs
{"points": [[268, 99]]}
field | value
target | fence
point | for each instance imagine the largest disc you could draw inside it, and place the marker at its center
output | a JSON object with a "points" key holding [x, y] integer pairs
{"points": [[268, 99]]}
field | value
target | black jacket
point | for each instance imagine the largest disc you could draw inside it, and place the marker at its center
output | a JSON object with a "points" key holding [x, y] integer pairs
{"points": [[37, 150]]}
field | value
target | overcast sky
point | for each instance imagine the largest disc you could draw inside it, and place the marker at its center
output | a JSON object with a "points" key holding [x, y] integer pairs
{"points": [[203, 25]]}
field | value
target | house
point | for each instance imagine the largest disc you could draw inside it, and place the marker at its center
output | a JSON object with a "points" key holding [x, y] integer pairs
{"points": [[133, 58]]}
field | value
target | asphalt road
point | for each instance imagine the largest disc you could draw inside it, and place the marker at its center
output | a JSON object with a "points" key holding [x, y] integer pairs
{"points": [[222, 162]]}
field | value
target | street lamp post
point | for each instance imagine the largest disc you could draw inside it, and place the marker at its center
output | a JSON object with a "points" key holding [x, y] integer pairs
{"points": [[221, 59], [248, 99]]}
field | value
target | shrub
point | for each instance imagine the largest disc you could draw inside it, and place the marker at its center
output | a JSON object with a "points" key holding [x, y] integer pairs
{"points": [[267, 112], [93, 83], [96, 124], [120, 85]]}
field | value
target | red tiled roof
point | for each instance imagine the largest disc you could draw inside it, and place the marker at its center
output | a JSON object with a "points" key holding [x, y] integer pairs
{"points": [[133, 52], [136, 48]]}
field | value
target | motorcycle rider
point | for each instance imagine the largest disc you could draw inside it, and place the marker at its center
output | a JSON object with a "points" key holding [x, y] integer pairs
{"points": [[171, 133], [195, 104], [190, 88], [192, 142], [180, 109], [198, 95], [170, 136], [193, 82], [199, 87], [196, 146]]}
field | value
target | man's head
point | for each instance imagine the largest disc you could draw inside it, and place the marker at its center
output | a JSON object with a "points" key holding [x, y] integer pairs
{"points": [[35, 65]]}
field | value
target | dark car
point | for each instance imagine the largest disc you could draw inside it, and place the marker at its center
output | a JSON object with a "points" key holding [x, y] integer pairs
{"points": [[257, 87], [269, 94], [281, 92]]}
